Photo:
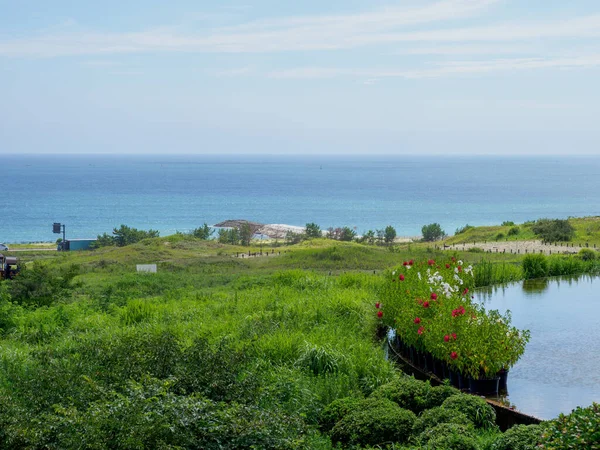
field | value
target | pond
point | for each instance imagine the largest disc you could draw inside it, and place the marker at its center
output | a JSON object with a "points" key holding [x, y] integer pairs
{"points": [[560, 369]]}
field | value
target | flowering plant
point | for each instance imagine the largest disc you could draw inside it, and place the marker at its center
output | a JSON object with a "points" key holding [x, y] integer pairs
{"points": [[429, 306]]}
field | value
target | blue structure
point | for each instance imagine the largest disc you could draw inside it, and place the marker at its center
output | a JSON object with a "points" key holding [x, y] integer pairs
{"points": [[78, 244]]}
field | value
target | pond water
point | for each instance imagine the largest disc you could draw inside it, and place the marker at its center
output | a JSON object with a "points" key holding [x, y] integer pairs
{"points": [[561, 365]]}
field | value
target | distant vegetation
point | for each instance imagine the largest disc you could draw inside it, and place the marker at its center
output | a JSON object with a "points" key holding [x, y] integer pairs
{"points": [[554, 230], [432, 232], [124, 236]]}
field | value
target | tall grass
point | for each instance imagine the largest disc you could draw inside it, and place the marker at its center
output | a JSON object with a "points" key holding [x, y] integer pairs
{"points": [[487, 273]]}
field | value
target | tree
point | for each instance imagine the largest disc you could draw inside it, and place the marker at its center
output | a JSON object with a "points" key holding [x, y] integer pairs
{"points": [[368, 237], [204, 232], [554, 230], [246, 233], [313, 231], [347, 234], [389, 234], [432, 232], [229, 236], [123, 236]]}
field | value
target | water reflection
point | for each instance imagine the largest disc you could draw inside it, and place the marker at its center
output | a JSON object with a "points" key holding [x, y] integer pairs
{"points": [[560, 368]]}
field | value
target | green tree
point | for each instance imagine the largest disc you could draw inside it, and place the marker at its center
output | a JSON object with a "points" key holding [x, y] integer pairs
{"points": [[554, 230], [389, 234], [432, 232], [313, 230], [204, 232], [347, 234], [124, 236], [229, 236], [42, 285], [369, 237], [246, 233]]}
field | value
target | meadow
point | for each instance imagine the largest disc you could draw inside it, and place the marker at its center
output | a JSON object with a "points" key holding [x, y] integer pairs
{"points": [[218, 351]]}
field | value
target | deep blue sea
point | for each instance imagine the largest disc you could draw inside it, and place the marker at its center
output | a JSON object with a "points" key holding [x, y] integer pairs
{"points": [[94, 194]]}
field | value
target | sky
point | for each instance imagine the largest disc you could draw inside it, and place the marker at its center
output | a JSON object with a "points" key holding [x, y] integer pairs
{"points": [[338, 77]]}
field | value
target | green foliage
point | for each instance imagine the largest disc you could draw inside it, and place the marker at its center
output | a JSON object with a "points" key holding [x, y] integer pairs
{"points": [[464, 229], [374, 422], [445, 432], [578, 431], [587, 254], [204, 232], [319, 360], [124, 236], [514, 231], [229, 236], [347, 234], [556, 230], [475, 408], [486, 273], [535, 266], [292, 238], [519, 437], [389, 234], [499, 236], [434, 416], [43, 284], [246, 233], [432, 232], [313, 231], [369, 237], [453, 441], [508, 223], [407, 392], [337, 409]]}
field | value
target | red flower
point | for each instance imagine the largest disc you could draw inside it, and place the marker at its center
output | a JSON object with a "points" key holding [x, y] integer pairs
{"points": [[380, 314], [405, 263], [417, 320], [401, 277], [411, 262], [433, 296], [431, 262], [453, 355], [425, 304], [421, 330], [466, 291], [459, 268], [377, 305], [453, 259], [447, 266], [446, 338], [454, 336]]}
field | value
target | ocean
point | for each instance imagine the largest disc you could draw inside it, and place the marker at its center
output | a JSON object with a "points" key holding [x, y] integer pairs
{"points": [[93, 194]]}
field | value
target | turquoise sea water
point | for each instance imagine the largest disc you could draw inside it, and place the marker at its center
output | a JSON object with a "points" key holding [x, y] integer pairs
{"points": [[93, 194]]}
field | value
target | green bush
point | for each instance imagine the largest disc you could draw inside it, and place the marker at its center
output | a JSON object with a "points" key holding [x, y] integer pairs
{"points": [[519, 437], [407, 392], [535, 266], [579, 430], [476, 250], [375, 422], [438, 394], [464, 229], [508, 223], [475, 408], [514, 231], [444, 431], [587, 254], [499, 236], [554, 230], [453, 441], [434, 416], [43, 285], [432, 232], [336, 410]]}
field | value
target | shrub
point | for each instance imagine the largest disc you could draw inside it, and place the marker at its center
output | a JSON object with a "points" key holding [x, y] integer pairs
{"points": [[535, 266], [312, 230], [514, 231], [124, 236], [434, 416], [508, 223], [375, 422], [438, 394], [336, 410], [204, 232], [453, 441], [579, 430], [499, 236], [445, 430], [389, 234], [432, 232], [519, 437], [476, 250], [554, 230], [43, 285], [587, 254], [407, 392], [475, 408]]}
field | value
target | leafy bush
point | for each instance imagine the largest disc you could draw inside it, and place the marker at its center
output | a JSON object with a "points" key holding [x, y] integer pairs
{"points": [[375, 422], [499, 236], [432, 232], [508, 223], [535, 266], [336, 410], [313, 230], [434, 416], [229, 236], [42, 284], [445, 431], [556, 230], [587, 254], [453, 441], [389, 234], [514, 231], [519, 437], [476, 250], [204, 232], [438, 394], [579, 430], [407, 392], [475, 408]]}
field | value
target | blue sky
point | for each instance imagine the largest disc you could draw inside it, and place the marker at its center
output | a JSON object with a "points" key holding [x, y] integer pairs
{"points": [[309, 77]]}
